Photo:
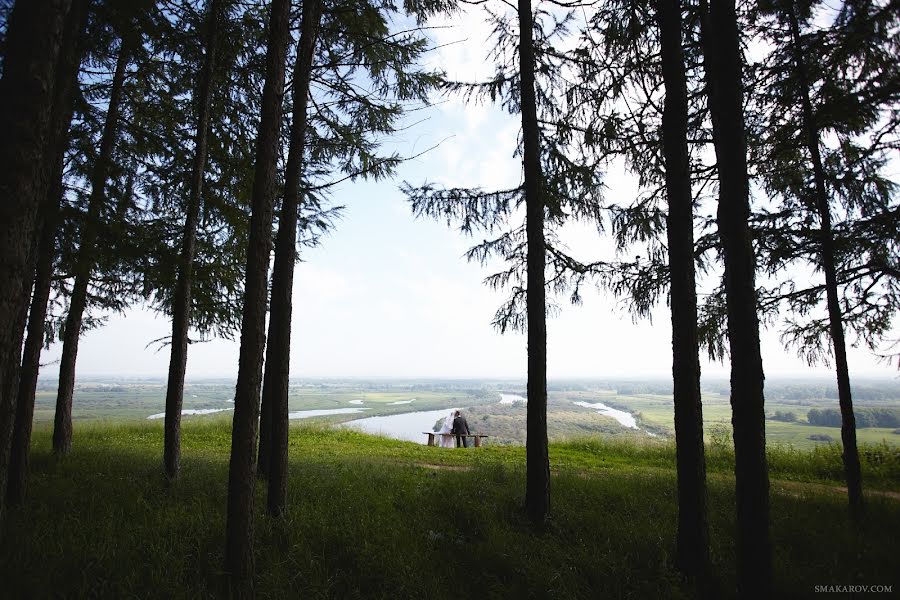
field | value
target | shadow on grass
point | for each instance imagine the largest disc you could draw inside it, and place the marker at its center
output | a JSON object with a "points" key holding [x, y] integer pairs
{"points": [[374, 518]]}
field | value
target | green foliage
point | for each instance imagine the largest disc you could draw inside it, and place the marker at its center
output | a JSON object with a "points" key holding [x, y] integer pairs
{"points": [[865, 417], [571, 185], [851, 76], [786, 416]]}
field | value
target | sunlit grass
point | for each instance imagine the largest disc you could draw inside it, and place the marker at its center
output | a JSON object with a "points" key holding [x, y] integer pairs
{"points": [[372, 517]]}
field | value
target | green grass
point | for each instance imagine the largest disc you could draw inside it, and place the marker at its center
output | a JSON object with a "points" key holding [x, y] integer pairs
{"points": [[378, 518], [137, 401], [655, 413]]}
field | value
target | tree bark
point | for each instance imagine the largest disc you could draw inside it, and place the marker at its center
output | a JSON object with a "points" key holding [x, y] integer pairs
{"points": [[62, 423], [278, 350], [242, 467], [722, 62], [34, 34], [537, 484], [852, 471], [70, 54], [692, 551], [181, 308]]}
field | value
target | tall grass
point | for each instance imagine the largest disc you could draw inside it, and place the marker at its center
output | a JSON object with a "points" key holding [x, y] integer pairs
{"points": [[370, 517]]}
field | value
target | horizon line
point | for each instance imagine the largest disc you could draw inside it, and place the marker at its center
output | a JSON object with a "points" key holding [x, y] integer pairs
{"points": [[625, 376]]}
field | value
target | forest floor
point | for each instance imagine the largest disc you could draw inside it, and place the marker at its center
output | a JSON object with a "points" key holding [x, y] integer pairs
{"points": [[371, 517]]}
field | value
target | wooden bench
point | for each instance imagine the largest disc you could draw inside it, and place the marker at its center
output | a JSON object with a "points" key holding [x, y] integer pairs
{"points": [[477, 436]]}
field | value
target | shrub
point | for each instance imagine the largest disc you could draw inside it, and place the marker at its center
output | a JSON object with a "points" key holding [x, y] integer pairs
{"points": [[787, 417]]}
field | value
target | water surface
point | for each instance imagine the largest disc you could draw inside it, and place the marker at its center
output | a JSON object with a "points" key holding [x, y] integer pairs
{"points": [[192, 411], [405, 426], [511, 398], [305, 414], [625, 418]]}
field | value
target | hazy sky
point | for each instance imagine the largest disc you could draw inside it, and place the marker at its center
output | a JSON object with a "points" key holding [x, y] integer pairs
{"points": [[388, 295]]}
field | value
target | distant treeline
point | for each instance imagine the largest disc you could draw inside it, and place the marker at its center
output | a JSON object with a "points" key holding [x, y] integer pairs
{"points": [[869, 391], [785, 391], [865, 417], [798, 392]]}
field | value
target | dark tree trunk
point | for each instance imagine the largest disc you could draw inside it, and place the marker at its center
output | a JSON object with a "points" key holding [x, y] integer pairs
{"points": [[34, 34], [692, 554], [278, 350], [852, 470], [537, 484], [241, 471], [722, 61], [181, 308], [70, 53], [62, 423]]}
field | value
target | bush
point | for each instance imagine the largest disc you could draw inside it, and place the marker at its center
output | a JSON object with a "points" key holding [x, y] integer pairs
{"points": [[865, 417], [787, 417], [820, 437]]}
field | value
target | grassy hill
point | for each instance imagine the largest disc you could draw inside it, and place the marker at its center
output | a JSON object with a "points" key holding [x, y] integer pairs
{"points": [[371, 517]]}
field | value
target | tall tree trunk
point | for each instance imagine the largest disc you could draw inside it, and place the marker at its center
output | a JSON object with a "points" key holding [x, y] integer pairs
{"points": [[181, 308], [537, 484], [278, 350], [62, 423], [852, 471], [692, 553], [241, 471], [70, 54], [34, 34], [722, 62]]}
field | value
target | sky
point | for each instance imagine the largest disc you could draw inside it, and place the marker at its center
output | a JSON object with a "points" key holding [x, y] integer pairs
{"points": [[388, 295]]}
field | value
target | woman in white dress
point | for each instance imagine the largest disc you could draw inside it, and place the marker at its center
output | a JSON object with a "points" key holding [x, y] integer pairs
{"points": [[447, 439]]}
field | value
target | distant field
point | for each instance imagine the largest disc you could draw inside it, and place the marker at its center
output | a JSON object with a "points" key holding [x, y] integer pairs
{"points": [[649, 402], [97, 400], [656, 412]]}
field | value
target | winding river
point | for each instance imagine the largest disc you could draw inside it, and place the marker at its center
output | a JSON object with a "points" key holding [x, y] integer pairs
{"points": [[626, 419], [411, 426], [405, 426]]}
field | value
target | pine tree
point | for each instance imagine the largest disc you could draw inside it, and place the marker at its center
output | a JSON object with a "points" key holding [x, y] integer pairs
{"points": [[278, 350], [182, 296], [833, 81], [561, 181], [242, 466], [693, 527], [848, 427], [344, 132], [84, 264], [537, 482], [723, 66], [70, 54], [169, 93], [33, 37]]}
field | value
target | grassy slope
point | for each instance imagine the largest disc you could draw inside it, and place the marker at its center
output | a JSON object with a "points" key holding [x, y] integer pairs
{"points": [[373, 517]]}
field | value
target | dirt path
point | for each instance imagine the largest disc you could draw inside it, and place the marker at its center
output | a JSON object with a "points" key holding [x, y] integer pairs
{"points": [[778, 486], [797, 488]]}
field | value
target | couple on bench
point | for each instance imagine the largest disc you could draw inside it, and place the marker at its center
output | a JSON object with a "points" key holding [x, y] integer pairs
{"points": [[455, 426]]}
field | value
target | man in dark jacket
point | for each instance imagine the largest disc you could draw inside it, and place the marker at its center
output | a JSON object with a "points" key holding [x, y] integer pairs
{"points": [[460, 426]]}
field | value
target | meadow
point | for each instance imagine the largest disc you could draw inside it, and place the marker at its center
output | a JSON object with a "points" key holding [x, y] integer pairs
{"points": [[134, 400], [649, 402], [371, 517]]}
